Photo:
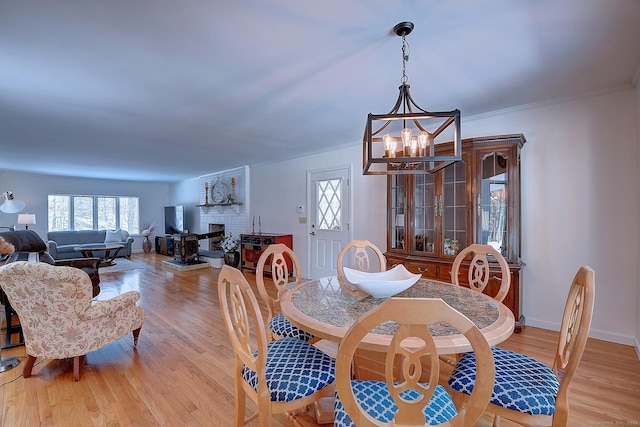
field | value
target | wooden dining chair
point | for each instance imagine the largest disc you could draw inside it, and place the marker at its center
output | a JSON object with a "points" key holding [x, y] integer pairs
{"points": [[479, 274], [285, 270], [411, 394], [280, 376], [361, 259], [526, 390]]}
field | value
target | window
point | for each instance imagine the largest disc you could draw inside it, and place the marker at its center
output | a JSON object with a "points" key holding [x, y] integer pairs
{"points": [[329, 204], [81, 212]]}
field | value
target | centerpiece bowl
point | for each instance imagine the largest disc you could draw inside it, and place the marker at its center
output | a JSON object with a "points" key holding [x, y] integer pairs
{"points": [[382, 284]]}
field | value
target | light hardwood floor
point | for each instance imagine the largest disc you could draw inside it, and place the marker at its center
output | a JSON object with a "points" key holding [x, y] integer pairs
{"points": [[181, 371]]}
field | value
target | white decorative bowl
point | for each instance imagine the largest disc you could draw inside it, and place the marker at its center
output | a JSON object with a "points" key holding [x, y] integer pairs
{"points": [[382, 284]]}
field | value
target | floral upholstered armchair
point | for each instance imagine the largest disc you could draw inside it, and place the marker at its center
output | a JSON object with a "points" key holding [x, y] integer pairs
{"points": [[59, 318]]}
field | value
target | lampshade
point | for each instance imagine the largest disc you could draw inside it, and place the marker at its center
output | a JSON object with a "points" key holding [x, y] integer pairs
{"points": [[403, 141], [11, 205], [26, 218]]}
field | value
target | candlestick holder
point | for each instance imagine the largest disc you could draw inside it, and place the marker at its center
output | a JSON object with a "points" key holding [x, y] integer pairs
{"points": [[232, 196], [206, 193]]}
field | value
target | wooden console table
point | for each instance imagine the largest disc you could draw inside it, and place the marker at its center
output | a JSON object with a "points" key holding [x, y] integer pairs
{"points": [[252, 246]]}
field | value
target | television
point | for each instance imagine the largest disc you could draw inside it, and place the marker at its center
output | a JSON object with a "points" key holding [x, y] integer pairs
{"points": [[174, 219]]}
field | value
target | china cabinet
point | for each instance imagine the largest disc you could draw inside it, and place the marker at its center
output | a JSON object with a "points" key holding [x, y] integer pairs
{"points": [[431, 217]]}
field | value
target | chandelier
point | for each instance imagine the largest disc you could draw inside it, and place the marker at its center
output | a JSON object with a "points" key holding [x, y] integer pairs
{"points": [[402, 142]]}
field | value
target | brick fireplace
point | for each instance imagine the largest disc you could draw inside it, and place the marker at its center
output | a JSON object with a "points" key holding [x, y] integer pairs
{"points": [[233, 217], [214, 242]]}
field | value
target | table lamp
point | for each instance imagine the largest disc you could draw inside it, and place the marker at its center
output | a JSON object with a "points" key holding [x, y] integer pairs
{"points": [[26, 219]]}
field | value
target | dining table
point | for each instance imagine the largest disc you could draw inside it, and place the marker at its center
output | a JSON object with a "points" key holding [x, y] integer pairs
{"points": [[327, 307]]}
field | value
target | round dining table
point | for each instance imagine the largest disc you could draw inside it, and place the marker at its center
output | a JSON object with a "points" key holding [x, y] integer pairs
{"points": [[327, 308]]}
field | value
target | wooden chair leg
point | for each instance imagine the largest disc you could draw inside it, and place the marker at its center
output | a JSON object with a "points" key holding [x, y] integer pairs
{"points": [[76, 368], [26, 370], [136, 334]]}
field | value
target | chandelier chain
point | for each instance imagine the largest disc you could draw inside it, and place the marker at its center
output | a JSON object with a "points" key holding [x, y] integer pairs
{"points": [[405, 58]]}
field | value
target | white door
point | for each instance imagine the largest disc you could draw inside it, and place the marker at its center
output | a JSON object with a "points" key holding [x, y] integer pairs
{"points": [[330, 215]]}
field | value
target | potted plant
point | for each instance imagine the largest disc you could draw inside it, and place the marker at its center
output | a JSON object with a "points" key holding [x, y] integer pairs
{"points": [[230, 247], [147, 229]]}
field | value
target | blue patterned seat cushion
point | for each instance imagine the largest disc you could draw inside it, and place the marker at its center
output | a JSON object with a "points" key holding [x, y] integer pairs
{"points": [[295, 369], [375, 400], [522, 384], [280, 326]]}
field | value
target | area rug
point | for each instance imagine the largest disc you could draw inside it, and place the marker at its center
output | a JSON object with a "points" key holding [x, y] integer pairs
{"points": [[122, 264]]}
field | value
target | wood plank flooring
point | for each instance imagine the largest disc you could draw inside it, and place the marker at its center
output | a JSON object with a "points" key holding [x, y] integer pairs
{"points": [[181, 372]]}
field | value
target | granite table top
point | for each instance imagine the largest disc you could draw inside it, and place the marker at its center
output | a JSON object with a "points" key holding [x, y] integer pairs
{"points": [[325, 308]]}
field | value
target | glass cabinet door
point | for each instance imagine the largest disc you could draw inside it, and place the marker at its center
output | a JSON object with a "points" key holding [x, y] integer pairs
{"points": [[397, 211], [425, 213], [492, 203], [453, 208]]}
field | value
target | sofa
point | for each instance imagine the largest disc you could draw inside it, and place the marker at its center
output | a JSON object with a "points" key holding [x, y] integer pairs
{"points": [[61, 243]]}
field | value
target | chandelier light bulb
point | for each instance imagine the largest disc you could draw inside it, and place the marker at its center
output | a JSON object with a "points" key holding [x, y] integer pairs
{"points": [[423, 137], [413, 148], [390, 145], [406, 140], [406, 137]]}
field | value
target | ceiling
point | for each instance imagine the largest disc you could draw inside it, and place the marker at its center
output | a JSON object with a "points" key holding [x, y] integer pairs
{"points": [[166, 90]]}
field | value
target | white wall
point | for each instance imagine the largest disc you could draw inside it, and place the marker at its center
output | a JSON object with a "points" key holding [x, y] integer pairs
{"points": [[277, 188], [579, 206]]}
